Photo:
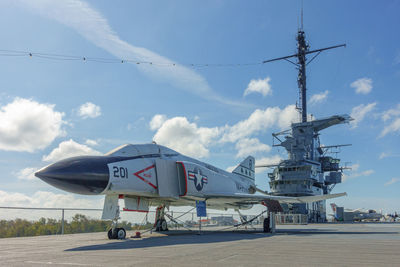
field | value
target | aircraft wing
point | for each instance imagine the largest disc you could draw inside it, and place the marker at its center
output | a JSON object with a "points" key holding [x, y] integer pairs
{"points": [[257, 199], [360, 210]]}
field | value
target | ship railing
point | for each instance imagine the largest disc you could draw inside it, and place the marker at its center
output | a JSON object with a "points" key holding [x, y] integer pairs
{"points": [[288, 218]]}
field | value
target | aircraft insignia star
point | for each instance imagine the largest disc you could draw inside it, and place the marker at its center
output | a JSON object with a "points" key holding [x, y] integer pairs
{"points": [[198, 178]]}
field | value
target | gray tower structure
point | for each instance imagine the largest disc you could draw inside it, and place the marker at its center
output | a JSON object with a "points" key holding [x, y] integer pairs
{"points": [[308, 170]]}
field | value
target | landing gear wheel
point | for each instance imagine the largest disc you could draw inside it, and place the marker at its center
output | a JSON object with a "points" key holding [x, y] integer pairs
{"points": [[267, 228], [163, 225], [112, 234], [121, 233], [158, 226]]}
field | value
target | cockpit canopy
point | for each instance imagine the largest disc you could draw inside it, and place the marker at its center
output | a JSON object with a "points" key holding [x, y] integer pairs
{"points": [[129, 150]]}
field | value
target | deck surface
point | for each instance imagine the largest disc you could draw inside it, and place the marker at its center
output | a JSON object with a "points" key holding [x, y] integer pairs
{"points": [[301, 245]]}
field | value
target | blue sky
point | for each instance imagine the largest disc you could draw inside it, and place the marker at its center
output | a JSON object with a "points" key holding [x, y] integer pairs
{"points": [[50, 109]]}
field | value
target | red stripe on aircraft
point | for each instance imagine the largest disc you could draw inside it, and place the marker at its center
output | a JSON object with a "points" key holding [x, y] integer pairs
{"points": [[184, 171], [144, 180]]}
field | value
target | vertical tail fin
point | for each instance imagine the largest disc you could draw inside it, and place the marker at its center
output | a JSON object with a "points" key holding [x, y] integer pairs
{"points": [[246, 168]]}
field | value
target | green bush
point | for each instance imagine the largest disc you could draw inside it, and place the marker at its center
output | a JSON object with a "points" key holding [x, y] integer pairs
{"points": [[79, 224]]}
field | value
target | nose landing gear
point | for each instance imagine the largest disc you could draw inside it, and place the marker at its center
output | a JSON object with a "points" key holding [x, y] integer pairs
{"points": [[115, 232]]}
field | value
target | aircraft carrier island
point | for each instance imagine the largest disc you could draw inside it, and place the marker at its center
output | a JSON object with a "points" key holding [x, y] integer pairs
{"points": [[304, 173], [309, 169]]}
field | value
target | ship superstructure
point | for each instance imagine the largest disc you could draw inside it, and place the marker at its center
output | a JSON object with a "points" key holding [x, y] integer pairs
{"points": [[309, 170]]}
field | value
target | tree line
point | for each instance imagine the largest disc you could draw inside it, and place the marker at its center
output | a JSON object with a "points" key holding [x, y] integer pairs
{"points": [[79, 224]]}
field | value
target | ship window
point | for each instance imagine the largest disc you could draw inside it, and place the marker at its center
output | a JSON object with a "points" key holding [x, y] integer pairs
{"points": [[241, 169]]}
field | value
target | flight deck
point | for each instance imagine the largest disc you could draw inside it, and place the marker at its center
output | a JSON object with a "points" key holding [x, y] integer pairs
{"points": [[362, 244]]}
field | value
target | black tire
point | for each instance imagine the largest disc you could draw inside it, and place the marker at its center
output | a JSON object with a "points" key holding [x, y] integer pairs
{"points": [[163, 225], [158, 226], [267, 228], [110, 234], [120, 233]]}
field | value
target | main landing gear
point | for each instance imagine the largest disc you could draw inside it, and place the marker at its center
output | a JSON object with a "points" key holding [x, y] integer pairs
{"points": [[160, 223], [116, 232], [269, 223], [266, 225]]}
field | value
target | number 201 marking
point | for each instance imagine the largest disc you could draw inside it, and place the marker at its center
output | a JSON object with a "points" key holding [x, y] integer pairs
{"points": [[120, 172]]}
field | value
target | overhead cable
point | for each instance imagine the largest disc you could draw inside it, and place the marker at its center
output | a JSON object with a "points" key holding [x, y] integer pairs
{"points": [[62, 57]]}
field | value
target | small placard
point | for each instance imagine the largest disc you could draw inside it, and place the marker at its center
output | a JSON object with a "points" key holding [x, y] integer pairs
{"points": [[201, 209]]}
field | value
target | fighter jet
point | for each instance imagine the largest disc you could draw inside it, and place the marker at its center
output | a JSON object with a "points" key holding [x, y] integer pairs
{"points": [[357, 215], [151, 174]]}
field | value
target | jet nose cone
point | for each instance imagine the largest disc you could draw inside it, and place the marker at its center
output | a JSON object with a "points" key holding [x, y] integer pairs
{"points": [[83, 175]]}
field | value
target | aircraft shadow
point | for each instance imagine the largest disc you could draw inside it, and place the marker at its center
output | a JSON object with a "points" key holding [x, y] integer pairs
{"points": [[187, 237], [176, 238]]}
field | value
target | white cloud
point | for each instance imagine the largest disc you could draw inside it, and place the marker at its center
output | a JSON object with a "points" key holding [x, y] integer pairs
{"points": [[359, 112], [45, 199], [318, 98], [267, 161], [394, 126], [27, 174], [393, 112], [354, 167], [91, 142], [68, 149], [250, 146], [187, 138], [367, 172], [89, 110], [388, 155], [352, 175], [383, 155], [362, 85], [392, 181], [27, 125], [259, 121], [157, 121], [91, 25], [261, 86]]}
